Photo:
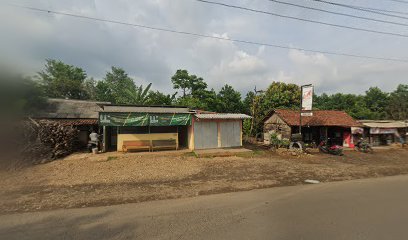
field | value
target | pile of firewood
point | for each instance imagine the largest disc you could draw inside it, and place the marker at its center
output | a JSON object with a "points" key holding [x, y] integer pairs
{"points": [[44, 141]]}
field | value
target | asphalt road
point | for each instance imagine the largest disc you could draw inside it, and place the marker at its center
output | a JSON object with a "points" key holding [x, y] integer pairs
{"points": [[360, 209]]}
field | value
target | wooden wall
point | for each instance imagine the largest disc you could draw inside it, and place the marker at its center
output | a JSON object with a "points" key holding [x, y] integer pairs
{"points": [[275, 124]]}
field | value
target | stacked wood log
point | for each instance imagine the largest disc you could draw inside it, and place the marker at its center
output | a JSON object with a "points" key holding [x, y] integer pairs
{"points": [[44, 141]]}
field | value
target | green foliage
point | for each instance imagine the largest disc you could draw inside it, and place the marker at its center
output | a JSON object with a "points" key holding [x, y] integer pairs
{"points": [[369, 106], [229, 100], [60, 80], [376, 101], [398, 103], [90, 88], [158, 98], [139, 95], [182, 80], [281, 95], [247, 103], [276, 142], [117, 87], [278, 95], [246, 127], [191, 102]]}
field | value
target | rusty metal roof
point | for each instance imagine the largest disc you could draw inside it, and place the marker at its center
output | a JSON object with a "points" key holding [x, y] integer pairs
{"points": [[222, 116], [144, 109], [68, 108]]}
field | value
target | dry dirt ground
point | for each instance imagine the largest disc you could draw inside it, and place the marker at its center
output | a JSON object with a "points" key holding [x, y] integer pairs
{"points": [[84, 179]]}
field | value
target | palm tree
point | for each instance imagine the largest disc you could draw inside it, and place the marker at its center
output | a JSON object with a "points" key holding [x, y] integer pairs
{"points": [[139, 95]]}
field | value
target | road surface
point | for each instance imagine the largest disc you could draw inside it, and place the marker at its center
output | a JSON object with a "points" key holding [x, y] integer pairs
{"points": [[359, 209]]}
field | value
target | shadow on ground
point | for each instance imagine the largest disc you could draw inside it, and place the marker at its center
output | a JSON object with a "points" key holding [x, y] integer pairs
{"points": [[66, 227]]}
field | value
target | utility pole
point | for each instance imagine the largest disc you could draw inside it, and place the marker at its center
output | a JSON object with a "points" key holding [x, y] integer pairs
{"points": [[253, 108]]}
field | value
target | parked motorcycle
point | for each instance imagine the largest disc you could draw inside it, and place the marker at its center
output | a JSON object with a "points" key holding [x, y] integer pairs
{"points": [[363, 146], [333, 149]]}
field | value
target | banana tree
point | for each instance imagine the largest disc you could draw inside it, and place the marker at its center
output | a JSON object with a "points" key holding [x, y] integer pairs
{"points": [[139, 95]]}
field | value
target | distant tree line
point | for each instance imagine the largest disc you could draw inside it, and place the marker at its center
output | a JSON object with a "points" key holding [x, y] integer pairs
{"points": [[60, 80]]}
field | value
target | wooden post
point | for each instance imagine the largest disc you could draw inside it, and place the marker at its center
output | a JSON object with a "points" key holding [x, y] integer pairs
{"points": [[218, 133], [240, 125], [104, 142]]}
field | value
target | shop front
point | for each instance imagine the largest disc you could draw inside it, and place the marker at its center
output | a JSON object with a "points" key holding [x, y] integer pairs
{"points": [[124, 131], [384, 132]]}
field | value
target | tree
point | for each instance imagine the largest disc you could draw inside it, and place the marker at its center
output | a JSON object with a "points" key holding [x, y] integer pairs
{"points": [[139, 95], [248, 102], [280, 95], [117, 87], [277, 95], [398, 103], [158, 98], [369, 106], [182, 80], [376, 101], [90, 88], [61, 80], [192, 102], [229, 100]]}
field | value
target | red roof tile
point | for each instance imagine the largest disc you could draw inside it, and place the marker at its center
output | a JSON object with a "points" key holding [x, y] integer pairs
{"points": [[319, 118]]}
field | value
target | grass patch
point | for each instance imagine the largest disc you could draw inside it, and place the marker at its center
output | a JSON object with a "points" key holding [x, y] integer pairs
{"points": [[110, 158], [190, 154], [252, 154]]}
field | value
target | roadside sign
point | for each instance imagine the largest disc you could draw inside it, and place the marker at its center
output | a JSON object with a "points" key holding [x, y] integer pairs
{"points": [[307, 98], [306, 114]]}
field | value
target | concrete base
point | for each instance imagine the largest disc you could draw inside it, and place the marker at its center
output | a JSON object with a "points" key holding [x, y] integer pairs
{"points": [[221, 152]]}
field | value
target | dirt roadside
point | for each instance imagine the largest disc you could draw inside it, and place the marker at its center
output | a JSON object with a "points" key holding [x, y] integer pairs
{"points": [[83, 179]]}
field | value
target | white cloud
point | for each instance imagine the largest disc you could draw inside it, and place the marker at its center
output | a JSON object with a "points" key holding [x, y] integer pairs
{"points": [[153, 56]]}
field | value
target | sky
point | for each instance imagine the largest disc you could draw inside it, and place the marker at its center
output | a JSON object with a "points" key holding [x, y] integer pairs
{"points": [[150, 56]]}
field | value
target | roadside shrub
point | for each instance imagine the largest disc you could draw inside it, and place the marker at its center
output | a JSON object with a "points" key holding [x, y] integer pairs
{"points": [[276, 142]]}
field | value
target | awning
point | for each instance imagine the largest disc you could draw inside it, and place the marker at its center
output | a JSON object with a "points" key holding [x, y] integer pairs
{"points": [[383, 130], [144, 119]]}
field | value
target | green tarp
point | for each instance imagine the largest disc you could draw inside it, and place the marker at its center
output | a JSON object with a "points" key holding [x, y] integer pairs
{"points": [[144, 119]]}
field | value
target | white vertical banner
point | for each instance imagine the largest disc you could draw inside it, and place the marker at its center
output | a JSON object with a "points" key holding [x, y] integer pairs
{"points": [[307, 98]]}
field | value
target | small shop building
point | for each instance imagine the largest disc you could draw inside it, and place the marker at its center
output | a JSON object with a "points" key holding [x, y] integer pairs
{"points": [[384, 132], [319, 125], [150, 128], [216, 130]]}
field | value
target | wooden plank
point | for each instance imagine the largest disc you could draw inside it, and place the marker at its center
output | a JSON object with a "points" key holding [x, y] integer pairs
{"points": [[146, 137]]}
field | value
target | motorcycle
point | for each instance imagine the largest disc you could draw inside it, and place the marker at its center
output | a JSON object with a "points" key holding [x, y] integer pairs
{"points": [[363, 146], [333, 149]]}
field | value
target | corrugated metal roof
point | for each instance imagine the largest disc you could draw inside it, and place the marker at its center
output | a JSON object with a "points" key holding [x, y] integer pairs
{"points": [[68, 108], [383, 124], [145, 109], [222, 116]]}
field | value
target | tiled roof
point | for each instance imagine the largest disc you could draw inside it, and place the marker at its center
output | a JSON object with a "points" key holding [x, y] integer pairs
{"points": [[222, 116], [67, 108], [77, 122], [319, 118]]}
